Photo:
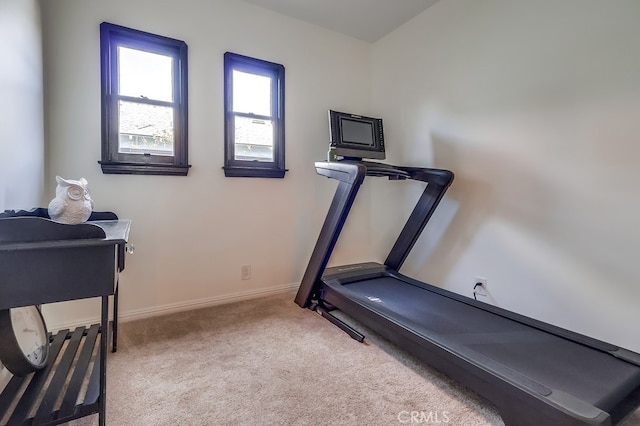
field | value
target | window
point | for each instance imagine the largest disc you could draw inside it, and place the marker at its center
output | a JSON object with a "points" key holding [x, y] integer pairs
{"points": [[144, 102], [254, 117]]}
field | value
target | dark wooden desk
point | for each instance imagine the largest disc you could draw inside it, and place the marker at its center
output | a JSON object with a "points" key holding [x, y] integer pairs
{"points": [[42, 261]]}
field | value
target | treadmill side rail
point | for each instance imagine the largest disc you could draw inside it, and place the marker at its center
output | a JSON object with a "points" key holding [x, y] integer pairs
{"points": [[627, 355]]}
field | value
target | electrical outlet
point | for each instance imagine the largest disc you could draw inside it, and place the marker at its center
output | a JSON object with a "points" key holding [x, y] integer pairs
{"points": [[245, 272], [480, 290]]}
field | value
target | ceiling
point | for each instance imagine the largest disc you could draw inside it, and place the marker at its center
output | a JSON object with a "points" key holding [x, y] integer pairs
{"points": [[367, 20]]}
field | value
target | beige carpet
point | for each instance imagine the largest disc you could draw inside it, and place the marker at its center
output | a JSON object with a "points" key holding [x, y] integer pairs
{"points": [[269, 362]]}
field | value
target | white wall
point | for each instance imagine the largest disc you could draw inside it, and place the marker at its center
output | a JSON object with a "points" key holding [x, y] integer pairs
{"points": [[21, 104], [192, 234], [535, 107]]}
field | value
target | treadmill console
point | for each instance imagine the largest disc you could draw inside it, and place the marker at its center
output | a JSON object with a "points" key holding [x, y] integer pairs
{"points": [[355, 136]]}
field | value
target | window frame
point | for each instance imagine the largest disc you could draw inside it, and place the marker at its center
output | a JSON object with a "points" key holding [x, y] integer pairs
{"points": [[112, 161], [253, 168]]}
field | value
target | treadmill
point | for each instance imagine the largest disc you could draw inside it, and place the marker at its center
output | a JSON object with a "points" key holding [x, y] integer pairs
{"points": [[534, 373]]}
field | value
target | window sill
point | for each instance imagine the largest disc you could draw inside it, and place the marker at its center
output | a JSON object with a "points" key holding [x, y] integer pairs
{"points": [[110, 168], [254, 172]]}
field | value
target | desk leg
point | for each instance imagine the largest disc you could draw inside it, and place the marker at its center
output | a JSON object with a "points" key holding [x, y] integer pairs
{"points": [[114, 336], [104, 344]]}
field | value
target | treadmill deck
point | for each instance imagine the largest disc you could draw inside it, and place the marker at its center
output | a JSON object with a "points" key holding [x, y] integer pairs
{"points": [[498, 343]]}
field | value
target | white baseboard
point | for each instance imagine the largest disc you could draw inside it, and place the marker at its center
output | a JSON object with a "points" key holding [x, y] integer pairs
{"points": [[136, 314]]}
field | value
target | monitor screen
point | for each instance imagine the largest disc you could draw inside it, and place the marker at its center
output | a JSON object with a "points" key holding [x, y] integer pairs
{"points": [[357, 132]]}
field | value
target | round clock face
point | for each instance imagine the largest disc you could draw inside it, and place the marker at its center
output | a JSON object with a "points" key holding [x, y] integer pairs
{"points": [[27, 341]]}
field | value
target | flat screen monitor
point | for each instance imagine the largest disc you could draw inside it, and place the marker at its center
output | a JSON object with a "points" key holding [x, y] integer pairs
{"points": [[356, 136]]}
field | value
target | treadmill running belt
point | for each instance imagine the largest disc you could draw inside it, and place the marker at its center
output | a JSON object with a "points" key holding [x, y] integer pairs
{"points": [[557, 363]]}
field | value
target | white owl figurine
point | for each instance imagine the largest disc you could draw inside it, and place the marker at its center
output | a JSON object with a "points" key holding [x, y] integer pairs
{"points": [[72, 204]]}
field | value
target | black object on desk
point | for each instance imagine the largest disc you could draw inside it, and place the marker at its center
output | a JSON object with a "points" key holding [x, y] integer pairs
{"points": [[42, 261]]}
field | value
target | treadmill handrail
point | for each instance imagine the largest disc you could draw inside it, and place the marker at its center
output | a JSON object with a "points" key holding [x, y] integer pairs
{"points": [[438, 181], [351, 174], [347, 171], [350, 170]]}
